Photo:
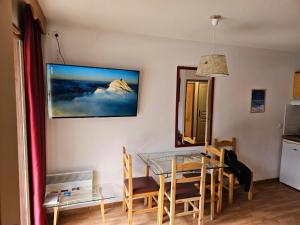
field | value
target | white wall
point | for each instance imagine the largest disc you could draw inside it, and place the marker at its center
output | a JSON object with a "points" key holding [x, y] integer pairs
{"points": [[74, 144], [297, 62]]}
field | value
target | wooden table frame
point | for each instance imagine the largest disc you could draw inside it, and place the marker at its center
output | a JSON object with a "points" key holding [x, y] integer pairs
{"points": [[56, 213]]}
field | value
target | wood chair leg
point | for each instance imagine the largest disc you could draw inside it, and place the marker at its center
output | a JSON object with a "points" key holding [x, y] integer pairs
{"points": [[185, 206], [195, 203], [220, 191], [201, 212], [130, 209], [150, 202], [230, 189], [161, 195], [124, 200], [250, 193], [172, 201], [200, 220]]}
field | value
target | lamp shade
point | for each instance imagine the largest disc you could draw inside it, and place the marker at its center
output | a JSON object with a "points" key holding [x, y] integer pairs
{"points": [[212, 66]]}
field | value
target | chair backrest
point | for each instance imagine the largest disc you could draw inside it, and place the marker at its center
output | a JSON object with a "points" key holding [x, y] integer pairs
{"points": [[189, 140], [226, 143], [215, 153], [188, 166], [127, 170]]}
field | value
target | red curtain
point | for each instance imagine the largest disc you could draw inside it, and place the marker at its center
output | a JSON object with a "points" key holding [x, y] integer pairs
{"points": [[35, 110]]}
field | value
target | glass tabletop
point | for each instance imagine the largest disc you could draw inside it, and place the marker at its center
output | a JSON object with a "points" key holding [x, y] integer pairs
{"points": [[62, 199], [160, 163]]}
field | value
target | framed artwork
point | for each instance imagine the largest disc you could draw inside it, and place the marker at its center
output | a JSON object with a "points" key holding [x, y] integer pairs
{"points": [[81, 91], [258, 100]]}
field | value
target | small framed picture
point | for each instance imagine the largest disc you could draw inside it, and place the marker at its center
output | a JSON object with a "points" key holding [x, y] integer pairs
{"points": [[258, 101]]}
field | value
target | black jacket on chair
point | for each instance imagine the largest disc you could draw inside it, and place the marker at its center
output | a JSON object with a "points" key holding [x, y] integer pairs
{"points": [[239, 169]]}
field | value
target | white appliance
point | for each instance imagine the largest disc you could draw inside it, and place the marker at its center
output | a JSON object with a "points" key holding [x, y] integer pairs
{"points": [[290, 164], [290, 157], [295, 102]]}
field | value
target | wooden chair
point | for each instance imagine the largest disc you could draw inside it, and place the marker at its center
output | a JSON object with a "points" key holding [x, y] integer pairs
{"points": [[137, 188], [189, 140], [213, 180], [227, 174], [183, 191], [216, 155]]}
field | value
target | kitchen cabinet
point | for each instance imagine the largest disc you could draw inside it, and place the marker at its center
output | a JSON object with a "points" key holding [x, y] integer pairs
{"points": [[297, 85]]}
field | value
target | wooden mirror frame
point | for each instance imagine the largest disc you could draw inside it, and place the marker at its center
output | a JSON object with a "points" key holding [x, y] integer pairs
{"points": [[210, 119]]}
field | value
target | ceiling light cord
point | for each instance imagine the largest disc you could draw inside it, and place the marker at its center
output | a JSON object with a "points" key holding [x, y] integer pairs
{"points": [[58, 46], [213, 40], [214, 21]]}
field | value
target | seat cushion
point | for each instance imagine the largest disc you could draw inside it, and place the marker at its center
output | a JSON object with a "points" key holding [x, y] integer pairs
{"points": [[143, 185], [183, 190]]}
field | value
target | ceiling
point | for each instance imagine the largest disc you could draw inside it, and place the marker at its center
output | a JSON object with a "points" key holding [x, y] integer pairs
{"points": [[270, 24]]}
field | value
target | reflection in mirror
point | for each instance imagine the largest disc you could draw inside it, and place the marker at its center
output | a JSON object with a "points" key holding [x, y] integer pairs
{"points": [[193, 108]]}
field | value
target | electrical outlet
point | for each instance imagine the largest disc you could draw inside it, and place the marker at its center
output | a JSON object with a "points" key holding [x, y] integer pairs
{"points": [[51, 33]]}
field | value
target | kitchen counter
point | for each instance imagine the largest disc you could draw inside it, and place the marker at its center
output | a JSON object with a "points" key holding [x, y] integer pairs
{"points": [[295, 138]]}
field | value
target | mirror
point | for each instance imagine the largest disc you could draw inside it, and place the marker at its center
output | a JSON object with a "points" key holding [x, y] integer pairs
{"points": [[194, 101]]}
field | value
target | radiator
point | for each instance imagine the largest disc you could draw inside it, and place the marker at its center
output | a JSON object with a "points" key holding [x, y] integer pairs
{"points": [[75, 182]]}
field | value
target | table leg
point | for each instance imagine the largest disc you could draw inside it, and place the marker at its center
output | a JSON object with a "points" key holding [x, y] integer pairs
{"points": [[102, 211], [55, 218], [212, 194], [160, 210], [147, 175]]}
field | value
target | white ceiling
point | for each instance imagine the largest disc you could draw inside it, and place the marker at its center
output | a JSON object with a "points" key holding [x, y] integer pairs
{"points": [[271, 24]]}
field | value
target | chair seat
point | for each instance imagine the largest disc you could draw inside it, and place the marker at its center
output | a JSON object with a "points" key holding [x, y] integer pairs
{"points": [[183, 190], [143, 185]]}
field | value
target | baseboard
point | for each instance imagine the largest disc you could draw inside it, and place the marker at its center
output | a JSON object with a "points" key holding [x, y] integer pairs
{"points": [[265, 181]]}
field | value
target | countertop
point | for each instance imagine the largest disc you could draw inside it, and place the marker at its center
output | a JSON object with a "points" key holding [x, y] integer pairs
{"points": [[295, 138]]}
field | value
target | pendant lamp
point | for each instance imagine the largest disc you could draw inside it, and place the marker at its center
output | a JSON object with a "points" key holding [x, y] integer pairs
{"points": [[214, 65]]}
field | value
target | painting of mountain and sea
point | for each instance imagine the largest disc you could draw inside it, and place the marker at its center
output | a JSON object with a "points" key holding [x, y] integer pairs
{"points": [[79, 91]]}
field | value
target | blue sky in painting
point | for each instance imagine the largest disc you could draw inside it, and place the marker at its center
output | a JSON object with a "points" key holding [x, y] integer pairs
{"points": [[69, 72], [258, 95]]}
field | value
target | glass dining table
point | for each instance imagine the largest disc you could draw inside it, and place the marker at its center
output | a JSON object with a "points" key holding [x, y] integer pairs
{"points": [[84, 198], [160, 163]]}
